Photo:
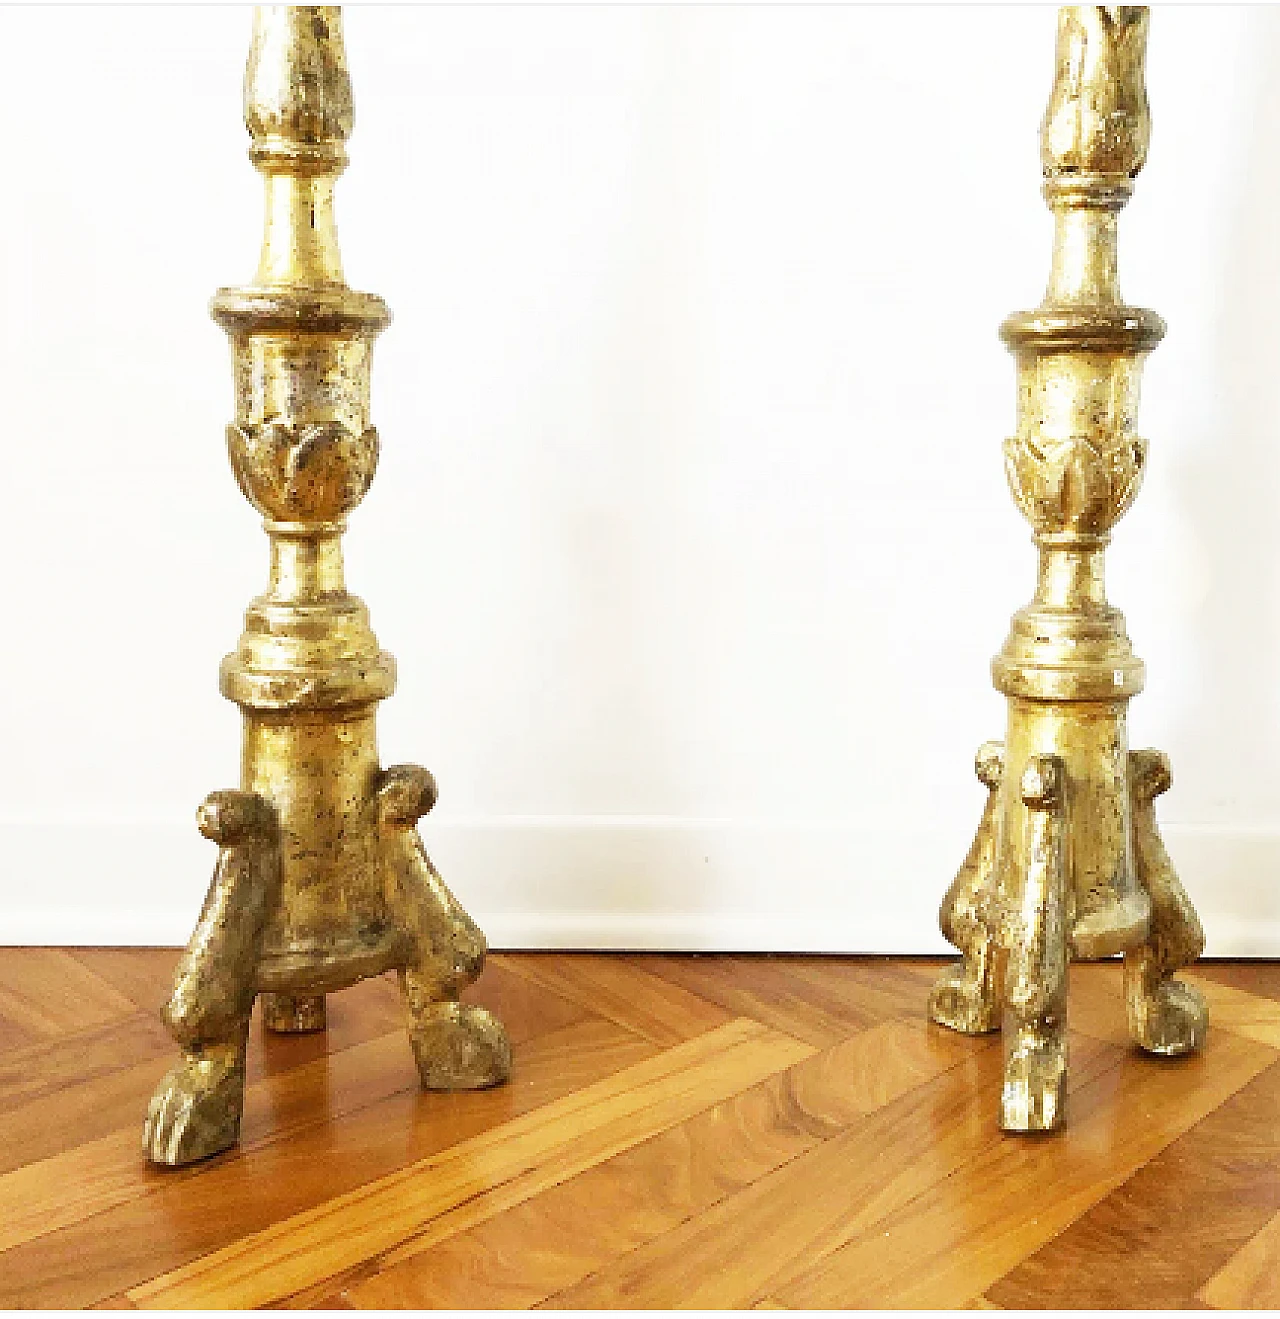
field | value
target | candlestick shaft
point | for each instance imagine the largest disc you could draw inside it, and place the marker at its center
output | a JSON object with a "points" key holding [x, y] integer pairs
{"points": [[349, 891], [1074, 465]]}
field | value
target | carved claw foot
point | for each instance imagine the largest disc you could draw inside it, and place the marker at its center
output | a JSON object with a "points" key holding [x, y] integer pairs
{"points": [[459, 1047], [1166, 1016], [967, 996], [965, 1002], [449, 946], [196, 1109], [1034, 1094]]}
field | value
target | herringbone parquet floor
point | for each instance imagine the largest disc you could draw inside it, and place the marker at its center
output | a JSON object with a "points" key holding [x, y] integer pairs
{"points": [[680, 1131]]}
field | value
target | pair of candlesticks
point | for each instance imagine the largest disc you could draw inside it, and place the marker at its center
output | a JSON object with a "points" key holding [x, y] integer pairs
{"points": [[322, 879]]}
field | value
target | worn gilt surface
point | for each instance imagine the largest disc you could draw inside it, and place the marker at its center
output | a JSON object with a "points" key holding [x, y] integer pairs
{"points": [[321, 879], [1068, 860]]}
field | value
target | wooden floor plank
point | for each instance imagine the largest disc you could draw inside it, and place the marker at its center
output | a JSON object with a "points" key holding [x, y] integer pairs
{"points": [[143, 975], [952, 1244], [1173, 1223], [1096, 1004], [504, 990], [524, 1255], [38, 1072], [884, 988], [620, 991], [314, 1079], [367, 1011], [194, 1212], [870, 1171], [531, 1152], [740, 1251], [777, 991], [45, 992], [56, 1192], [82, 1112], [98, 1175], [96, 1087], [1232, 1008], [1250, 1279], [1254, 977]]}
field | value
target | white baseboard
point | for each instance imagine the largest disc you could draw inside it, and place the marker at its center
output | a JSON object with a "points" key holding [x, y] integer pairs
{"points": [[613, 883]]}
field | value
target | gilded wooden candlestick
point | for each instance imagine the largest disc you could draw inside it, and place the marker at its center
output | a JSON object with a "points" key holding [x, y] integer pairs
{"points": [[322, 879], [1068, 860]]}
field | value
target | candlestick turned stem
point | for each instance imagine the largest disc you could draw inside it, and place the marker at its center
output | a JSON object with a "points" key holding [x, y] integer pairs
{"points": [[1068, 860], [322, 879]]}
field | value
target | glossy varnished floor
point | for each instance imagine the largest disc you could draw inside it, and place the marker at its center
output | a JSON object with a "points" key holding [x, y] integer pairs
{"points": [[716, 1131]]}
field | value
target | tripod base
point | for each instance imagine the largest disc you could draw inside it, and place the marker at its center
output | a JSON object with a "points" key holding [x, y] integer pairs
{"points": [[1017, 935], [437, 949]]}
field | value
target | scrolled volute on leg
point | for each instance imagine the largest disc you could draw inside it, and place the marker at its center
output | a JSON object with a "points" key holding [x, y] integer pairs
{"points": [[1033, 1097], [196, 1109], [1166, 1016], [967, 995], [457, 1046]]}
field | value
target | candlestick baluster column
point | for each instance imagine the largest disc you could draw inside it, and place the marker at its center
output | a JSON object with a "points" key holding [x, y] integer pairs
{"points": [[1067, 860], [322, 879]]}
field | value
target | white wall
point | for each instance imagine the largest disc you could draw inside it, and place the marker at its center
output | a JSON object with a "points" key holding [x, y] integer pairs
{"points": [[691, 533]]}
